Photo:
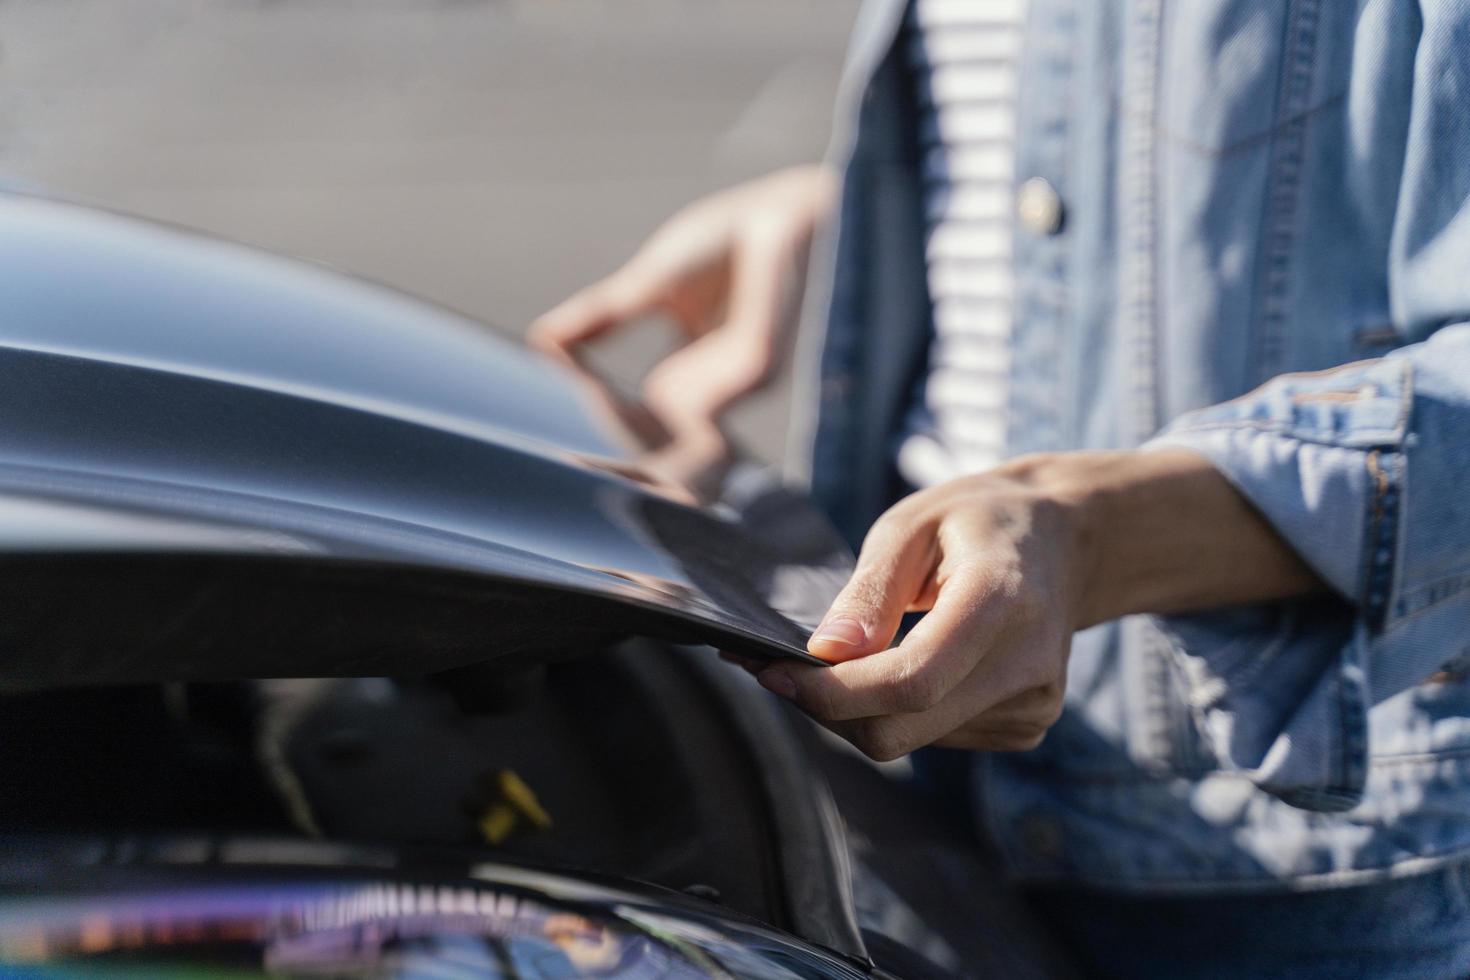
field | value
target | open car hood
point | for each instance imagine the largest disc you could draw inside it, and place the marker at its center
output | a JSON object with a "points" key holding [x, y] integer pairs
{"points": [[215, 463]]}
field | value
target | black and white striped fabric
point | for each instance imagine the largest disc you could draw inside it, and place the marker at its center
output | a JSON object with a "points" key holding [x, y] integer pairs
{"points": [[963, 55]]}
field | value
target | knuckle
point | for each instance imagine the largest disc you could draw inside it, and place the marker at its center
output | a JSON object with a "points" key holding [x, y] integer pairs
{"points": [[818, 702], [553, 328], [1029, 732], [1032, 728], [1052, 707], [890, 524], [1041, 680], [660, 390], [918, 688], [1006, 584]]}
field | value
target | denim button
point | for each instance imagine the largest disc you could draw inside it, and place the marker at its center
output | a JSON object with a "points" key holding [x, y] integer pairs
{"points": [[1039, 206]]}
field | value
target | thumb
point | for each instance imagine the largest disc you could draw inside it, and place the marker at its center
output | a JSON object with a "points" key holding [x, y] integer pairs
{"points": [[891, 573], [603, 306]]}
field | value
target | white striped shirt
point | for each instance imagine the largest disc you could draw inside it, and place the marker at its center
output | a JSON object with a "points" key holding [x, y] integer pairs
{"points": [[963, 56]]}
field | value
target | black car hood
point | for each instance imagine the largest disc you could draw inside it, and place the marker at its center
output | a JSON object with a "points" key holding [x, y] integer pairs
{"points": [[219, 463]]}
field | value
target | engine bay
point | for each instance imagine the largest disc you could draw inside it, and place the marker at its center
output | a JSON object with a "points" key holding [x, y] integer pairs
{"points": [[626, 764]]}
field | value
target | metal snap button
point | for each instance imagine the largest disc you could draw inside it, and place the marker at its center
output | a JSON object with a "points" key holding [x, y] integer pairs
{"points": [[1039, 206]]}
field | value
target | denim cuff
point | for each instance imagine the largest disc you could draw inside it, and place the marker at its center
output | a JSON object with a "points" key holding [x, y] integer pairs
{"points": [[1320, 456], [1282, 691]]}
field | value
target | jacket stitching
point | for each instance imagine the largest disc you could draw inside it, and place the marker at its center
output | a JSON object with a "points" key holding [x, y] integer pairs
{"points": [[1379, 540], [1266, 137], [1428, 596], [1384, 438], [1284, 180], [1268, 654], [1140, 272]]}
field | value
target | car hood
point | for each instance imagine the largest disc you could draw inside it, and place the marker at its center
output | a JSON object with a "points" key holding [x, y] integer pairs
{"points": [[215, 463]]}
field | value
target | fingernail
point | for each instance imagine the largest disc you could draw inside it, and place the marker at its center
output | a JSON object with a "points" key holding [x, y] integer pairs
{"points": [[842, 629], [777, 682]]}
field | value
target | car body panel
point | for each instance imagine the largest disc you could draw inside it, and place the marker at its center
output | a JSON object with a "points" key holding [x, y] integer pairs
{"points": [[270, 907], [169, 395]]}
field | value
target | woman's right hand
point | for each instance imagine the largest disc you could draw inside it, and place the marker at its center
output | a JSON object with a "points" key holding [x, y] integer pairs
{"points": [[729, 271]]}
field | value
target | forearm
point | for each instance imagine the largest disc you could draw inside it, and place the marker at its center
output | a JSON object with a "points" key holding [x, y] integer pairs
{"points": [[1163, 532]]}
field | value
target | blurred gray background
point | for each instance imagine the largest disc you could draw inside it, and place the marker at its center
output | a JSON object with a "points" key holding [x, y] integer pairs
{"points": [[491, 155]]}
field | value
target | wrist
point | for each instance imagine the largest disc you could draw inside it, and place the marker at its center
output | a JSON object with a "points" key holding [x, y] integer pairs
{"points": [[1163, 531], [1160, 531], [1137, 543]]}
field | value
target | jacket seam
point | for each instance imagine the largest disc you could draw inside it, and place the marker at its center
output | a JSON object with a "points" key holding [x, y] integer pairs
{"points": [[1140, 152], [1254, 140], [1267, 654], [1408, 605], [1419, 758], [1281, 198], [1387, 439], [1379, 539]]}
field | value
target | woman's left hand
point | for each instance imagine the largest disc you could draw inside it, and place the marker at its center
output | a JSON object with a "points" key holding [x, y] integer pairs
{"points": [[1006, 565]]}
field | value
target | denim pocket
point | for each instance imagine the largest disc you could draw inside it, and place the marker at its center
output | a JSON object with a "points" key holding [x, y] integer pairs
{"points": [[1240, 71]]}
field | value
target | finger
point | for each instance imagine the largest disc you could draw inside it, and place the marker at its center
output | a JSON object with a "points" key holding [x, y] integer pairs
{"points": [[700, 380], [765, 285], [988, 740], [896, 561], [1039, 705], [940, 653], [694, 386], [692, 461], [1015, 725], [880, 739], [603, 306], [949, 725]]}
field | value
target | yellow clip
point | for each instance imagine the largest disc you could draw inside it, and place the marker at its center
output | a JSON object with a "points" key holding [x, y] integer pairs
{"points": [[520, 796], [517, 802], [497, 823]]}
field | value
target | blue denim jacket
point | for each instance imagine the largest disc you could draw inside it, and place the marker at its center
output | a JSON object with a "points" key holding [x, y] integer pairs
{"points": [[1264, 256]]}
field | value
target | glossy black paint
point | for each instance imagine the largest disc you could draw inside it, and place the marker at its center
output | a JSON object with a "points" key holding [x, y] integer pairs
{"points": [[263, 907], [218, 463]]}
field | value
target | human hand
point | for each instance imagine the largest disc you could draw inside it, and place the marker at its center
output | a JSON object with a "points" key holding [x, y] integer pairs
{"points": [[728, 271], [1007, 565]]}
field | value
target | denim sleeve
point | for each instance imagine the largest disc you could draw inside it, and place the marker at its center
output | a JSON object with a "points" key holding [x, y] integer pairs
{"points": [[1365, 471]]}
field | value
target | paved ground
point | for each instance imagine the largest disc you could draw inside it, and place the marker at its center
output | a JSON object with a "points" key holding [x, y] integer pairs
{"points": [[488, 154]]}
